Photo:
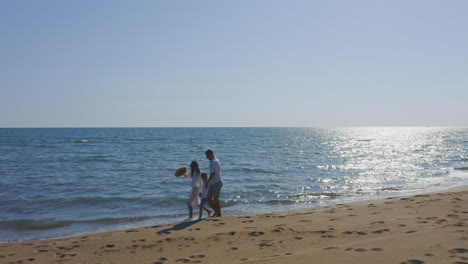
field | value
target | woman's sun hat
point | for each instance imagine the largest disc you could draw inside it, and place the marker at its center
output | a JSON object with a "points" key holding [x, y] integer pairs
{"points": [[180, 172]]}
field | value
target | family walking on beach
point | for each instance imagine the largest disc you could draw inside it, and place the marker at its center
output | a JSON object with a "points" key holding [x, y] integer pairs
{"points": [[208, 187]]}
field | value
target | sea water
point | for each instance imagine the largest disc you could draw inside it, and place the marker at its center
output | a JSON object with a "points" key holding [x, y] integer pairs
{"points": [[58, 182]]}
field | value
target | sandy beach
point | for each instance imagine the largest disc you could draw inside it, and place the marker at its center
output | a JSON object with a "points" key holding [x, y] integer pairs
{"points": [[428, 228]]}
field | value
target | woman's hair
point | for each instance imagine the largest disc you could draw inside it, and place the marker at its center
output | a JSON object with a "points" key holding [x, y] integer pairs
{"points": [[194, 167]]}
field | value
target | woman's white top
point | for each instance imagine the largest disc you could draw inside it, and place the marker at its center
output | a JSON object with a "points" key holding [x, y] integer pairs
{"points": [[196, 179]]}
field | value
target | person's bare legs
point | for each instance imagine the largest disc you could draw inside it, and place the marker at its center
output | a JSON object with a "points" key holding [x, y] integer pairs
{"points": [[190, 208], [203, 207], [207, 210], [217, 206], [201, 212], [212, 205]]}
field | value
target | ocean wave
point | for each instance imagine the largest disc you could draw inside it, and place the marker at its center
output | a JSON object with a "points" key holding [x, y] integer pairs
{"points": [[256, 170], [327, 167], [280, 202], [461, 168], [389, 189], [81, 141], [97, 159], [145, 139], [93, 201], [25, 224], [250, 170], [110, 220], [228, 203], [315, 194], [32, 225]]}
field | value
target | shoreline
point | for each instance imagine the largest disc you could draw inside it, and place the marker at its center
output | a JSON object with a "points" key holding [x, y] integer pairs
{"points": [[376, 197], [430, 228]]}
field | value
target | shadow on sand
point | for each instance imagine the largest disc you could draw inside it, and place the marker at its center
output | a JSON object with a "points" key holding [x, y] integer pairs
{"points": [[178, 227]]}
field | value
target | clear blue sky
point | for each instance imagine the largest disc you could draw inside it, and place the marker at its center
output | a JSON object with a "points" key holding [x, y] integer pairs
{"points": [[233, 63]]}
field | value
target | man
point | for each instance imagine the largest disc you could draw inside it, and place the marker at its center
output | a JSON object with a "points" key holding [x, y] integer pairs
{"points": [[215, 182]]}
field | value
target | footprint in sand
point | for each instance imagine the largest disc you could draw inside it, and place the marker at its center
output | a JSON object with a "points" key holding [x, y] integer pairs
{"points": [[264, 244], [452, 215], [380, 231], [360, 250], [278, 230], [458, 250], [256, 233], [377, 249], [413, 261], [330, 248]]}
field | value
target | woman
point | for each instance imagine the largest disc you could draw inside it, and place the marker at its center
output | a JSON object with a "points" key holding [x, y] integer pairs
{"points": [[194, 198]]}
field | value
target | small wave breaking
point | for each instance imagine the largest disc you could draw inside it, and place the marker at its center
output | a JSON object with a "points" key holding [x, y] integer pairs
{"points": [[26, 224], [316, 195], [36, 225], [80, 141]]}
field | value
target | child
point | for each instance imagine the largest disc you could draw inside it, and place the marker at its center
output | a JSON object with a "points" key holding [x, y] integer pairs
{"points": [[204, 199]]}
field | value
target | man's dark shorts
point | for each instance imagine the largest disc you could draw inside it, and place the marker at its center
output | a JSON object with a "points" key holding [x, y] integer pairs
{"points": [[214, 190]]}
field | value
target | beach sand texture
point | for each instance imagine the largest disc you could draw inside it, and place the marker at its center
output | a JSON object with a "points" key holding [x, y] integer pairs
{"points": [[429, 228]]}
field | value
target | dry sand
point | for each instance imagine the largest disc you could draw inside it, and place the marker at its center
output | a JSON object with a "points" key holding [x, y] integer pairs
{"points": [[428, 228]]}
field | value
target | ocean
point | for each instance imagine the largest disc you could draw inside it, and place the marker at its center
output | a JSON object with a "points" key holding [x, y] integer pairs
{"points": [[59, 182]]}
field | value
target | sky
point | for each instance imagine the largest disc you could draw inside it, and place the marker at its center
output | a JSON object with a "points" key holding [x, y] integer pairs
{"points": [[243, 63]]}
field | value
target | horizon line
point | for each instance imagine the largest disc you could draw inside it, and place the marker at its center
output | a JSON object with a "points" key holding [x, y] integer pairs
{"points": [[385, 126]]}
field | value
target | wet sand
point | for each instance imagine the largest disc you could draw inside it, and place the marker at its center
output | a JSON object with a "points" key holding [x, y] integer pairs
{"points": [[429, 228]]}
